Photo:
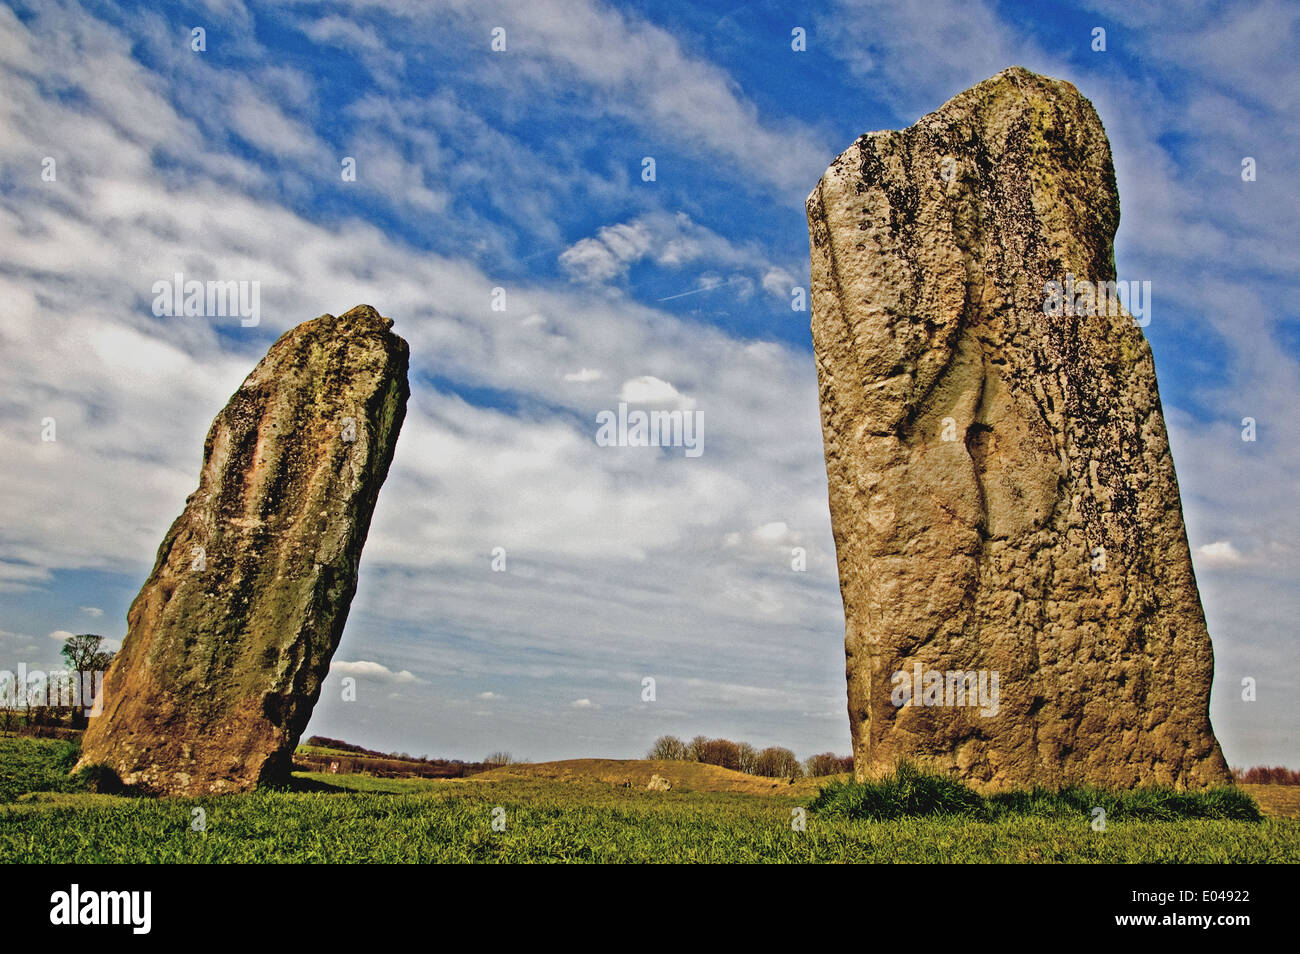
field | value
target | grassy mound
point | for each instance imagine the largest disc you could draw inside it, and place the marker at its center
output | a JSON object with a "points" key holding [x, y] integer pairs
{"points": [[636, 774], [37, 765], [30, 765], [914, 792]]}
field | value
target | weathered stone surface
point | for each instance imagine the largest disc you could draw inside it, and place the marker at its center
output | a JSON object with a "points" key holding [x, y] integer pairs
{"points": [[983, 456], [232, 634]]}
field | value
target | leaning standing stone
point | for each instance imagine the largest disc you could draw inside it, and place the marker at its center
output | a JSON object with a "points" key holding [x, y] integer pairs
{"points": [[231, 636]]}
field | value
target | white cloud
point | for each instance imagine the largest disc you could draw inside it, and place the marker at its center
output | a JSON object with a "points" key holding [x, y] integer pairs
{"points": [[583, 704], [648, 389], [367, 669], [384, 173], [775, 532], [585, 376], [345, 33], [266, 126], [778, 282], [672, 241], [92, 611], [593, 261], [1219, 553], [19, 576], [361, 40], [629, 69], [915, 56]]}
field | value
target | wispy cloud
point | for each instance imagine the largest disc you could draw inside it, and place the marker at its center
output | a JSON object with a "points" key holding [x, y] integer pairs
{"points": [[512, 560]]}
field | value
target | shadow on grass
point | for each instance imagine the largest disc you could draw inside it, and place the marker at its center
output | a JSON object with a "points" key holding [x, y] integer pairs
{"points": [[103, 781], [29, 765], [303, 783], [914, 792]]}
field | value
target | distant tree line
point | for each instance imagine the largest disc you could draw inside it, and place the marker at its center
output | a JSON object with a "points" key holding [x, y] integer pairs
{"points": [[65, 695], [359, 759], [325, 742], [1264, 775], [773, 761]]}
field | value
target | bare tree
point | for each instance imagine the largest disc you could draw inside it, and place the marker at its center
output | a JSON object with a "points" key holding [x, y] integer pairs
{"points": [[721, 752], [668, 748], [748, 758], [827, 763], [777, 762]]}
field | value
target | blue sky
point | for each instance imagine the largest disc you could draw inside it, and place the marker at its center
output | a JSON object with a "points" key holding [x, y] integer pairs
{"points": [[521, 170]]}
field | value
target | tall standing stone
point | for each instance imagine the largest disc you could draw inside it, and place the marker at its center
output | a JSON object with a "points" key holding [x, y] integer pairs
{"points": [[231, 636], [1001, 488]]}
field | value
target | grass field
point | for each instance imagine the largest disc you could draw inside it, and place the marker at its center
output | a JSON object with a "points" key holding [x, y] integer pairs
{"points": [[587, 811]]}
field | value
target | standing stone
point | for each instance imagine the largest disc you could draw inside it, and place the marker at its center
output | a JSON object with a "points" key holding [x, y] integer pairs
{"points": [[231, 636], [1001, 488]]}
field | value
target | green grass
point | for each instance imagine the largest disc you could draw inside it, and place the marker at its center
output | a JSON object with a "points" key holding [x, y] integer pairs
{"points": [[36, 765], [332, 818], [913, 792]]}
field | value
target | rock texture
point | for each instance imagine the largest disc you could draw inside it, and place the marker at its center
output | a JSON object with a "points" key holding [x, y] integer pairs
{"points": [[232, 634], [1001, 487]]}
